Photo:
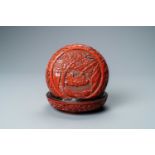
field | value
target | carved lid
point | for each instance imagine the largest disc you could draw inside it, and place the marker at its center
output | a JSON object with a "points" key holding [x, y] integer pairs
{"points": [[77, 71]]}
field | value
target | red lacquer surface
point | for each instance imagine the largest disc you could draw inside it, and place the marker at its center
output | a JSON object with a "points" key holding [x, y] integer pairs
{"points": [[75, 106], [77, 71]]}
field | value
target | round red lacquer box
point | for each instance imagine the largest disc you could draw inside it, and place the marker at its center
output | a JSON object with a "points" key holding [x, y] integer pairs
{"points": [[77, 76]]}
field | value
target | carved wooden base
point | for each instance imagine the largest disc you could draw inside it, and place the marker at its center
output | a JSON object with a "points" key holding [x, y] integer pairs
{"points": [[76, 105]]}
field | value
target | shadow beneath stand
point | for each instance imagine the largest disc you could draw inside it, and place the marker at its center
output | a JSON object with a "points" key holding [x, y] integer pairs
{"points": [[119, 98]]}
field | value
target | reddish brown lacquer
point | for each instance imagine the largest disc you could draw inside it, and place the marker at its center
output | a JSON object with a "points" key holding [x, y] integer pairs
{"points": [[77, 72]]}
